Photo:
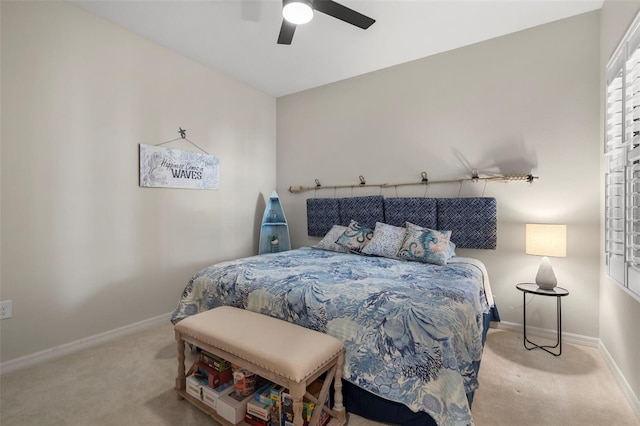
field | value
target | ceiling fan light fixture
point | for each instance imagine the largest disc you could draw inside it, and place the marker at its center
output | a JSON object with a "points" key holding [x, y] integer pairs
{"points": [[297, 11]]}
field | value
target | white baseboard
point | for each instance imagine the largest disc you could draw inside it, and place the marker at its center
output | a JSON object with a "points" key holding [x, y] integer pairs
{"points": [[624, 385], [58, 351], [545, 333]]}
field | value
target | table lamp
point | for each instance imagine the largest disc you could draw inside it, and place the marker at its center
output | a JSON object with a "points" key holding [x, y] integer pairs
{"points": [[546, 240]]}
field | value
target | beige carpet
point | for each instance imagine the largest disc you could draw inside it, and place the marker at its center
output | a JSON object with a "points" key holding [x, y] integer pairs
{"points": [[521, 387], [130, 382]]}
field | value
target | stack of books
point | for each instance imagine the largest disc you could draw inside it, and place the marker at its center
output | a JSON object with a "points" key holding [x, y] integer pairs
{"points": [[215, 370]]}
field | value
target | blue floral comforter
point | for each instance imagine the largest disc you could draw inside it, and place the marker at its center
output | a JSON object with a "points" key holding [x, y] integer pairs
{"points": [[412, 331]]}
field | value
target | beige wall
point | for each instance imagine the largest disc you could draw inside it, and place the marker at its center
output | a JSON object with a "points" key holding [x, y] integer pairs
{"points": [[84, 249], [619, 311], [524, 102]]}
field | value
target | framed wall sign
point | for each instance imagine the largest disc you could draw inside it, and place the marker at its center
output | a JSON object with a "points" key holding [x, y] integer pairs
{"points": [[175, 168]]}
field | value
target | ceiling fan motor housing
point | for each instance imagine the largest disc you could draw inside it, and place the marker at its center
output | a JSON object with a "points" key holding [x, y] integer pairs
{"points": [[297, 11]]}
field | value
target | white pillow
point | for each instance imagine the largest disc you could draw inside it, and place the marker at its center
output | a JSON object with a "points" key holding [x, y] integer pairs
{"points": [[386, 241], [329, 241]]}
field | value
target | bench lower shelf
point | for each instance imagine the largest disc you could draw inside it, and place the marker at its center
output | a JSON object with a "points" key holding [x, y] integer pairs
{"points": [[182, 394]]}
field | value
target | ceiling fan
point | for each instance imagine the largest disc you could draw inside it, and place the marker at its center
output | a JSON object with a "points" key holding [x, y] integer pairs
{"points": [[297, 12]]}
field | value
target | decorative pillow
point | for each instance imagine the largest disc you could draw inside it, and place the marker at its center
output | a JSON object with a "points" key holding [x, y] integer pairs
{"points": [[425, 245], [452, 250], [355, 237], [329, 241], [386, 241]]}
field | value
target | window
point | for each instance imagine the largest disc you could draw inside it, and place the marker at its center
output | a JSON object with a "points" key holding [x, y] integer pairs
{"points": [[622, 158]]}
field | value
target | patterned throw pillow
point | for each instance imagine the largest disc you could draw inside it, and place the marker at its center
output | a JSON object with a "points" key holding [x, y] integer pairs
{"points": [[425, 245], [355, 237], [386, 241], [452, 250], [329, 241]]}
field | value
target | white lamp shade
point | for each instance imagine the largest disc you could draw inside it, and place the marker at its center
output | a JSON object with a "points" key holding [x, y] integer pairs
{"points": [[546, 240], [297, 11]]}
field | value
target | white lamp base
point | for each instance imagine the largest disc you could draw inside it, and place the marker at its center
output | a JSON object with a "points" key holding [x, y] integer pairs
{"points": [[545, 278]]}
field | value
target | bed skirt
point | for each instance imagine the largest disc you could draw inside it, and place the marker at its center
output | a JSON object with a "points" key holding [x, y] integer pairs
{"points": [[365, 404]]}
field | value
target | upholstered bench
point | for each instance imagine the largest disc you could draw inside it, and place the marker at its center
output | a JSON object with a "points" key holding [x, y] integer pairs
{"points": [[282, 352]]}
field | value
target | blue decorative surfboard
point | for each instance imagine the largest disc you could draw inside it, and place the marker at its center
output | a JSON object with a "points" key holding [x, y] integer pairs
{"points": [[274, 231]]}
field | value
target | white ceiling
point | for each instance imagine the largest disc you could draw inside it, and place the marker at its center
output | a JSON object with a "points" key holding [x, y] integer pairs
{"points": [[238, 37]]}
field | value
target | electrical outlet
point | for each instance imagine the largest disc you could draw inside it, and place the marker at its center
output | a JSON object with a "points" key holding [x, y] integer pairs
{"points": [[5, 309]]}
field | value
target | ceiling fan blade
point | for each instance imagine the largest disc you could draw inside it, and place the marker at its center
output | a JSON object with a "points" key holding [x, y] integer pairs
{"points": [[286, 32], [343, 13]]}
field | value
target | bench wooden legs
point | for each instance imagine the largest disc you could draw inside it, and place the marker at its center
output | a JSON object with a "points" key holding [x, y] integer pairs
{"points": [[334, 375], [297, 393], [181, 379], [337, 386]]}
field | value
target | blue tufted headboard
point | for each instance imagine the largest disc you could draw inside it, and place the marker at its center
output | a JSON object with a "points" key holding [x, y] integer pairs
{"points": [[472, 220]]}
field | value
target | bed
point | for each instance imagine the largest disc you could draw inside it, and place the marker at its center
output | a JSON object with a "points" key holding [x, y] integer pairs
{"points": [[413, 331]]}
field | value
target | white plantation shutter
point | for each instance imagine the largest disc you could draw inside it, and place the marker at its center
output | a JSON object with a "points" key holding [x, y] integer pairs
{"points": [[615, 178], [632, 137], [622, 158]]}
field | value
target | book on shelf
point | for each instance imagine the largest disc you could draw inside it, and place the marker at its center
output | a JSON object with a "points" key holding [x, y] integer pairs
{"points": [[260, 410], [276, 404], [214, 361], [263, 394], [254, 421]]}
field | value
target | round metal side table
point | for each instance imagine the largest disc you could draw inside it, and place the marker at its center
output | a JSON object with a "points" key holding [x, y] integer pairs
{"points": [[558, 292]]}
